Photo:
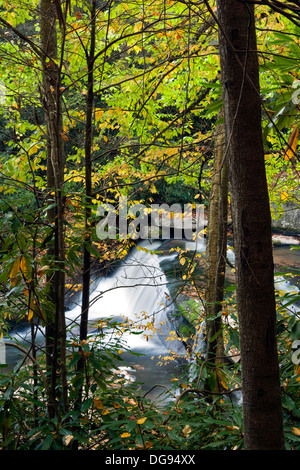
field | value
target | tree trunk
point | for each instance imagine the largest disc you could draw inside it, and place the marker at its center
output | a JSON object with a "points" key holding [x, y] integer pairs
{"points": [[56, 328], [262, 409], [216, 250], [86, 275], [88, 175]]}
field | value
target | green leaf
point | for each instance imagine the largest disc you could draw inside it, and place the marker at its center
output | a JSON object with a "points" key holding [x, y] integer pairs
{"points": [[295, 333], [86, 404], [46, 444]]}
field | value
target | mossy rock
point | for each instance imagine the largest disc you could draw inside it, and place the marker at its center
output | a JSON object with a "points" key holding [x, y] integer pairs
{"points": [[186, 318]]}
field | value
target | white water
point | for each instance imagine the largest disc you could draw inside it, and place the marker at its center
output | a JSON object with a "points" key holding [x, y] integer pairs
{"points": [[290, 291], [137, 293]]}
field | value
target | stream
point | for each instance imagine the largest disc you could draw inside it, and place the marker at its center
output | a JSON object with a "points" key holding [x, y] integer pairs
{"points": [[141, 292]]}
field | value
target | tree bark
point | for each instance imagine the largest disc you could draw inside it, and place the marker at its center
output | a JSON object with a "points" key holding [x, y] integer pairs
{"points": [[88, 176], [56, 328], [263, 428], [216, 250]]}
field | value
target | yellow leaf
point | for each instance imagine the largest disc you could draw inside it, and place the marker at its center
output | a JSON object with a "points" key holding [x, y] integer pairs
{"points": [[125, 434], [284, 196], [23, 265], [30, 313], [14, 271], [292, 144], [296, 431], [221, 376], [105, 412], [98, 404], [68, 439], [98, 114], [186, 430], [141, 421], [153, 189], [33, 150], [182, 261]]}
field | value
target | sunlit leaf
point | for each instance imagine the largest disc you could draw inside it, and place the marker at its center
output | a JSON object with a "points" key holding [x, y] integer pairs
{"points": [[296, 431], [141, 420], [292, 144], [186, 430]]}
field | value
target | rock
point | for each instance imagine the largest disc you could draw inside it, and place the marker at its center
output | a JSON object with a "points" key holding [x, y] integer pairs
{"points": [[287, 218]]}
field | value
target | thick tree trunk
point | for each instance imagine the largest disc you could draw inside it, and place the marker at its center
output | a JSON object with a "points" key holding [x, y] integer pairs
{"points": [[252, 227]]}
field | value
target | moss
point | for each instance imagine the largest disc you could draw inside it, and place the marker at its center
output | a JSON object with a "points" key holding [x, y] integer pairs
{"points": [[187, 317]]}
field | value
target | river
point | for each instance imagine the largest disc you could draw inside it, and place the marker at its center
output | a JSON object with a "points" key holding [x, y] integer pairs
{"points": [[141, 292]]}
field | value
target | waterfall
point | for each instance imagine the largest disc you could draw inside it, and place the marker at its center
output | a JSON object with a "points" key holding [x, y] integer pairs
{"points": [[137, 293]]}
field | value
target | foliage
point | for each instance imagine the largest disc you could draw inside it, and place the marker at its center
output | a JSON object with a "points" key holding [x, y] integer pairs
{"points": [[156, 99], [112, 414]]}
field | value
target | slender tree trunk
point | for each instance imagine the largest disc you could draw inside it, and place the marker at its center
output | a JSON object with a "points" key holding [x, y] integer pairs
{"points": [[86, 275], [262, 409], [55, 329], [88, 177], [216, 253]]}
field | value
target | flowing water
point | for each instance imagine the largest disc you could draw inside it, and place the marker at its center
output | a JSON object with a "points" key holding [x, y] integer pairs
{"points": [[140, 292]]}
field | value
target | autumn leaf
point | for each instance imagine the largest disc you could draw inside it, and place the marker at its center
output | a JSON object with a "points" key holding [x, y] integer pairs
{"points": [[232, 428], [125, 434], [292, 144], [296, 431], [186, 430], [33, 150], [68, 439], [30, 311], [14, 271], [98, 114], [64, 136], [98, 404], [19, 266], [141, 420], [221, 376]]}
